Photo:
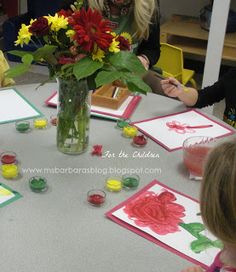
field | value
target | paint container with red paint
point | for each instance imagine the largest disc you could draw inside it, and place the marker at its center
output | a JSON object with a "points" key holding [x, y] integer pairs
{"points": [[8, 157], [139, 141], [96, 197]]}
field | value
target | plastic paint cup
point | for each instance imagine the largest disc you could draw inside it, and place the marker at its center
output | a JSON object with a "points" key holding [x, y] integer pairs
{"points": [[38, 184], [96, 197], [53, 120], [40, 123], [8, 157], [10, 171], [130, 131], [139, 141], [130, 181], [121, 123], [113, 184], [22, 126]]}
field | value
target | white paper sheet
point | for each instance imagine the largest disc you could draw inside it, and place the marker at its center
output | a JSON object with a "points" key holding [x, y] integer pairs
{"points": [[158, 130], [14, 107], [181, 239]]}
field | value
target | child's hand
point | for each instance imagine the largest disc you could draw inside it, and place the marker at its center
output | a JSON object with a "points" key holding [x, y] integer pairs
{"points": [[172, 87], [193, 269]]}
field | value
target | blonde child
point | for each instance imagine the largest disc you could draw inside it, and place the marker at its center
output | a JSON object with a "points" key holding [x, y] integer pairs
{"points": [[4, 81], [218, 205]]}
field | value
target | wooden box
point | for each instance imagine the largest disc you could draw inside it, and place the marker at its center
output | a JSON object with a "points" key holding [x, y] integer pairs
{"points": [[104, 96]]}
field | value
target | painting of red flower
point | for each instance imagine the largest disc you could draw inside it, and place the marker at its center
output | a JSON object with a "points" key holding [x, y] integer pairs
{"points": [[160, 213]]}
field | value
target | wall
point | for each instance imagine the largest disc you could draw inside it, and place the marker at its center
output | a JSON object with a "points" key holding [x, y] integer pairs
{"points": [[184, 7]]}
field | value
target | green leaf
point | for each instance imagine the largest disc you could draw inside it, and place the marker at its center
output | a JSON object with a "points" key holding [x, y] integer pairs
{"points": [[105, 77], [21, 68], [125, 60], [193, 228], [86, 67], [18, 53], [18, 70], [136, 84], [27, 59], [46, 53]]}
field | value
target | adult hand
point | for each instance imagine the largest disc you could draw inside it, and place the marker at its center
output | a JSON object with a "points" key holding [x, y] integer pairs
{"points": [[172, 87]]}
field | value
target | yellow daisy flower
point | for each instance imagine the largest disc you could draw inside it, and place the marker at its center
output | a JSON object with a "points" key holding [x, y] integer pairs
{"points": [[70, 33], [24, 36], [127, 36], [57, 22], [98, 54], [114, 46]]}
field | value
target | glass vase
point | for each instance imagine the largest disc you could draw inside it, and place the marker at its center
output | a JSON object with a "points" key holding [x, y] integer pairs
{"points": [[73, 116]]}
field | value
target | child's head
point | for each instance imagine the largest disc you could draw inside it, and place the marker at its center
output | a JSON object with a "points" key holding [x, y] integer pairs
{"points": [[218, 194]]}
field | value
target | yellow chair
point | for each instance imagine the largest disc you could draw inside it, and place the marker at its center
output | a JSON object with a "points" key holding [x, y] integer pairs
{"points": [[171, 63]]}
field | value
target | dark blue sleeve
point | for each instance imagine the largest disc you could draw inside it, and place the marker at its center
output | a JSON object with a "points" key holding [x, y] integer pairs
{"points": [[216, 92]]}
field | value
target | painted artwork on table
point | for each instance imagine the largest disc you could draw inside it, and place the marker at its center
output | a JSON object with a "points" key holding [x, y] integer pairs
{"points": [[170, 219], [7, 195], [170, 131]]}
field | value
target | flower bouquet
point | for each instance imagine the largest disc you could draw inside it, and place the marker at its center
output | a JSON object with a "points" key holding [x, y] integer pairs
{"points": [[82, 53]]}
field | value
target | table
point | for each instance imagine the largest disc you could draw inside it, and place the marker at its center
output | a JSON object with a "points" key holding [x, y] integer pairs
{"points": [[58, 231]]}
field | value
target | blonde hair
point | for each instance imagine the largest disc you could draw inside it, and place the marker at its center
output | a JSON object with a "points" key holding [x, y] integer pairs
{"points": [[218, 193], [144, 12]]}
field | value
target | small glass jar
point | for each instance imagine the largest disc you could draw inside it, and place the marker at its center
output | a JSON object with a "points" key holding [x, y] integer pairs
{"points": [[130, 131], [22, 126], [139, 141], [8, 157], [195, 151], [96, 197], [53, 120], [40, 123], [130, 181], [38, 184], [10, 171], [121, 123], [113, 184]]}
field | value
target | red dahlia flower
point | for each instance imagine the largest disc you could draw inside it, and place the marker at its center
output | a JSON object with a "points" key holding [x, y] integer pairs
{"points": [[65, 13], [91, 28], [40, 27], [123, 43]]}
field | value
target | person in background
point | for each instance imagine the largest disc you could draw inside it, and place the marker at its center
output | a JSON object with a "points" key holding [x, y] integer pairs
{"points": [[140, 18], [224, 88], [218, 205], [4, 66]]}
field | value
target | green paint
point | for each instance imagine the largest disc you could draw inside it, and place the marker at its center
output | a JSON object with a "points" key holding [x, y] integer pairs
{"points": [[22, 127], [202, 243], [130, 182], [38, 184], [121, 123]]}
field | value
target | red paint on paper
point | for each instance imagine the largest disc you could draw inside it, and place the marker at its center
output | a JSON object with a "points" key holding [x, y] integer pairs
{"points": [[160, 213]]}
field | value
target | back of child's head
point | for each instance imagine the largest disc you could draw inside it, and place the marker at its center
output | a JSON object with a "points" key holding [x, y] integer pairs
{"points": [[218, 193]]}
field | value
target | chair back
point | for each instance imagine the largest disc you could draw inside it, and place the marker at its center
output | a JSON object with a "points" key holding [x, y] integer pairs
{"points": [[171, 61]]}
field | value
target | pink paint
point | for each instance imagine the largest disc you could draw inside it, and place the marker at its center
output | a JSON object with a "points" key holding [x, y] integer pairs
{"points": [[194, 159], [180, 128], [157, 212]]}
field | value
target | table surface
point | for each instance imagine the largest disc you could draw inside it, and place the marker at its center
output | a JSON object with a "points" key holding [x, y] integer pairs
{"points": [[58, 231]]}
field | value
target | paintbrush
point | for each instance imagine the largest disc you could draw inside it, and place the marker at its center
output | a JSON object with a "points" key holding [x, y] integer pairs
{"points": [[174, 84]]}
